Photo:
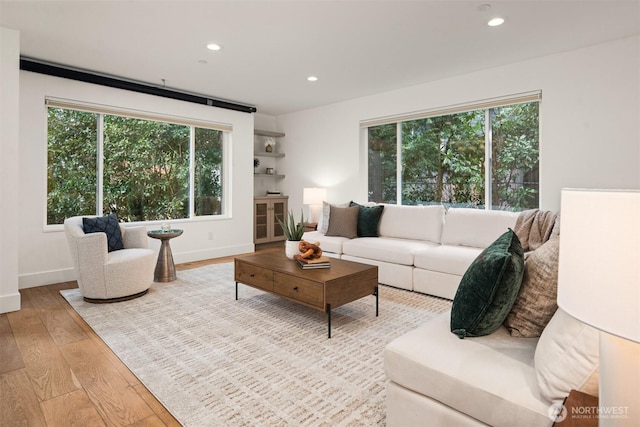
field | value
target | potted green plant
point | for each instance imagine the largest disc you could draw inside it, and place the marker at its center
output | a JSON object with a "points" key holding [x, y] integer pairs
{"points": [[293, 231]]}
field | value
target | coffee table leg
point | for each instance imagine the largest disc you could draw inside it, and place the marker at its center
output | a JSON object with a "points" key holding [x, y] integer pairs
{"points": [[376, 294], [236, 291], [329, 320]]}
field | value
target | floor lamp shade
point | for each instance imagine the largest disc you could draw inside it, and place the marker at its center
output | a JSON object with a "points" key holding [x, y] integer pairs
{"points": [[599, 268], [599, 284]]}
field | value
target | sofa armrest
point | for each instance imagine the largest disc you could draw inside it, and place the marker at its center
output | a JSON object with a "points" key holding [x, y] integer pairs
{"points": [[135, 237]]}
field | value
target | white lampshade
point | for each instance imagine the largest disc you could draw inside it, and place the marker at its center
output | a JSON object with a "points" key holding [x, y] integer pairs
{"points": [[314, 196], [599, 265]]}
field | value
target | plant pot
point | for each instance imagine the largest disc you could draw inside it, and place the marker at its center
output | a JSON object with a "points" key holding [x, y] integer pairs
{"points": [[291, 248]]}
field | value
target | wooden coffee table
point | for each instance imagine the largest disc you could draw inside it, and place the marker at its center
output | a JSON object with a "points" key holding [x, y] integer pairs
{"points": [[322, 289]]}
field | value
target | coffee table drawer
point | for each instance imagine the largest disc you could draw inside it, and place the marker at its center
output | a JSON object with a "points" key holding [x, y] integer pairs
{"points": [[301, 290], [255, 276]]}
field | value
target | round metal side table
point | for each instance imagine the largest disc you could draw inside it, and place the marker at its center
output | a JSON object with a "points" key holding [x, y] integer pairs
{"points": [[165, 268]]}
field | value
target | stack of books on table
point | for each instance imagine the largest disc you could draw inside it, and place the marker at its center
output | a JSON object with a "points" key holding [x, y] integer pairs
{"points": [[322, 262]]}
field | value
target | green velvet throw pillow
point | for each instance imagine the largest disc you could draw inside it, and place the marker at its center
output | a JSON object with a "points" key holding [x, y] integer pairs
{"points": [[488, 288], [368, 220]]}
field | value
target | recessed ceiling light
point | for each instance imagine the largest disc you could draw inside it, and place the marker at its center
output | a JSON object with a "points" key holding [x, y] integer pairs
{"points": [[495, 22], [312, 78], [214, 46]]}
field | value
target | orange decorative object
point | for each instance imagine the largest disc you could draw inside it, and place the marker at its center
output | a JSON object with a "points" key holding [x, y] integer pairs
{"points": [[308, 250]]}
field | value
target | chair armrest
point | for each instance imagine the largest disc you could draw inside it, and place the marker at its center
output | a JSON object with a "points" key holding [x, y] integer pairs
{"points": [[92, 250], [135, 237]]}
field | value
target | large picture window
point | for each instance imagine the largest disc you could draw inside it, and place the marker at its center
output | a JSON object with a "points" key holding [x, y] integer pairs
{"points": [[140, 169], [483, 158]]}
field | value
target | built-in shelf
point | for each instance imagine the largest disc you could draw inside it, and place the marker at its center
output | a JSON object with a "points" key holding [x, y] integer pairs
{"points": [[268, 133], [266, 175], [263, 180], [267, 154]]}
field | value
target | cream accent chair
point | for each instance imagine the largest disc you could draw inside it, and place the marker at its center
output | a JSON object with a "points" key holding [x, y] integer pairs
{"points": [[110, 276]]}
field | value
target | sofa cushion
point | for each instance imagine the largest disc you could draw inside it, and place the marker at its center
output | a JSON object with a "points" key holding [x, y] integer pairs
{"points": [[343, 222], [536, 300], [412, 222], [446, 259], [475, 227], [491, 378], [488, 288], [327, 243], [397, 251], [107, 224], [368, 220], [567, 357]]}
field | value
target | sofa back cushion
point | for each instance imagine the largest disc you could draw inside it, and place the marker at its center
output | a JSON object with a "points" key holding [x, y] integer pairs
{"points": [[412, 222], [477, 228], [567, 358]]}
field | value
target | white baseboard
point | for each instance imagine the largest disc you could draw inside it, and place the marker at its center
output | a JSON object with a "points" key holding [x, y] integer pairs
{"points": [[10, 302], [201, 255], [43, 278]]}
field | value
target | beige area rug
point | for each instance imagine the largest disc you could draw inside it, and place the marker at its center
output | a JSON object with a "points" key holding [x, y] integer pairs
{"points": [[258, 361]]}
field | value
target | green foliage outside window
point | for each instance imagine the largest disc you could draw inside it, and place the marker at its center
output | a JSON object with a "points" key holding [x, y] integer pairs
{"points": [[72, 144], [443, 159], [208, 172], [145, 167]]}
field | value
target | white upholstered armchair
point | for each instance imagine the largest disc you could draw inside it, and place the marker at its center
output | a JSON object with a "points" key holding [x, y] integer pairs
{"points": [[110, 276]]}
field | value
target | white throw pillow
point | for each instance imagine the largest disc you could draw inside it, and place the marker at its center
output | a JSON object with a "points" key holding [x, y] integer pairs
{"points": [[567, 357], [323, 222]]}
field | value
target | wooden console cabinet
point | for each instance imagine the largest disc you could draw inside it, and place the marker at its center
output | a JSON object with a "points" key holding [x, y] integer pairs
{"points": [[266, 212]]}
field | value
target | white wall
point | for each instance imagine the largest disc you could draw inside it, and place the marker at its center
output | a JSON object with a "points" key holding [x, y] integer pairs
{"points": [[590, 131], [590, 137], [43, 254], [9, 101]]}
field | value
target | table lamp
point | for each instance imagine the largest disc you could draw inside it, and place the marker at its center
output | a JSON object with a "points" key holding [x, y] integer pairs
{"points": [[599, 284], [314, 197]]}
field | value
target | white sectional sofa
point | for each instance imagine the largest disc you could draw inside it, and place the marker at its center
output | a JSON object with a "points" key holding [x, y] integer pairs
{"points": [[421, 248], [437, 379]]}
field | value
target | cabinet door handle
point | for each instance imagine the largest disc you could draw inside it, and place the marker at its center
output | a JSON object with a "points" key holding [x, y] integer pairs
{"points": [[252, 275], [295, 289]]}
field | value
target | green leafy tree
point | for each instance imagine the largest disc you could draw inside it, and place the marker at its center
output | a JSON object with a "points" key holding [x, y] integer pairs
{"points": [[145, 167], [443, 159], [515, 159], [208, 171], [382, 163], [72, 142]]}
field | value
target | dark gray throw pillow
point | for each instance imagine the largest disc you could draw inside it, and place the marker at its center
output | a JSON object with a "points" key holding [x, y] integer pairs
{"points": [[368, 220], [105, 224], [488, 288], [343, 222]]}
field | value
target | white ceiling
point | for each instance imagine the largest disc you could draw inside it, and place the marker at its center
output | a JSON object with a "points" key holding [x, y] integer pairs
{"points": [[356, 48]]}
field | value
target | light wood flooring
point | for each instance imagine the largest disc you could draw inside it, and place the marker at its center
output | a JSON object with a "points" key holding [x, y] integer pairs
{"points": [[55, 371]]}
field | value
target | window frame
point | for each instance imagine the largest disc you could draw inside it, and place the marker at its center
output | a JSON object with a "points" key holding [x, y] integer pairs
{"points": [[486, 105], [101, 111]]}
